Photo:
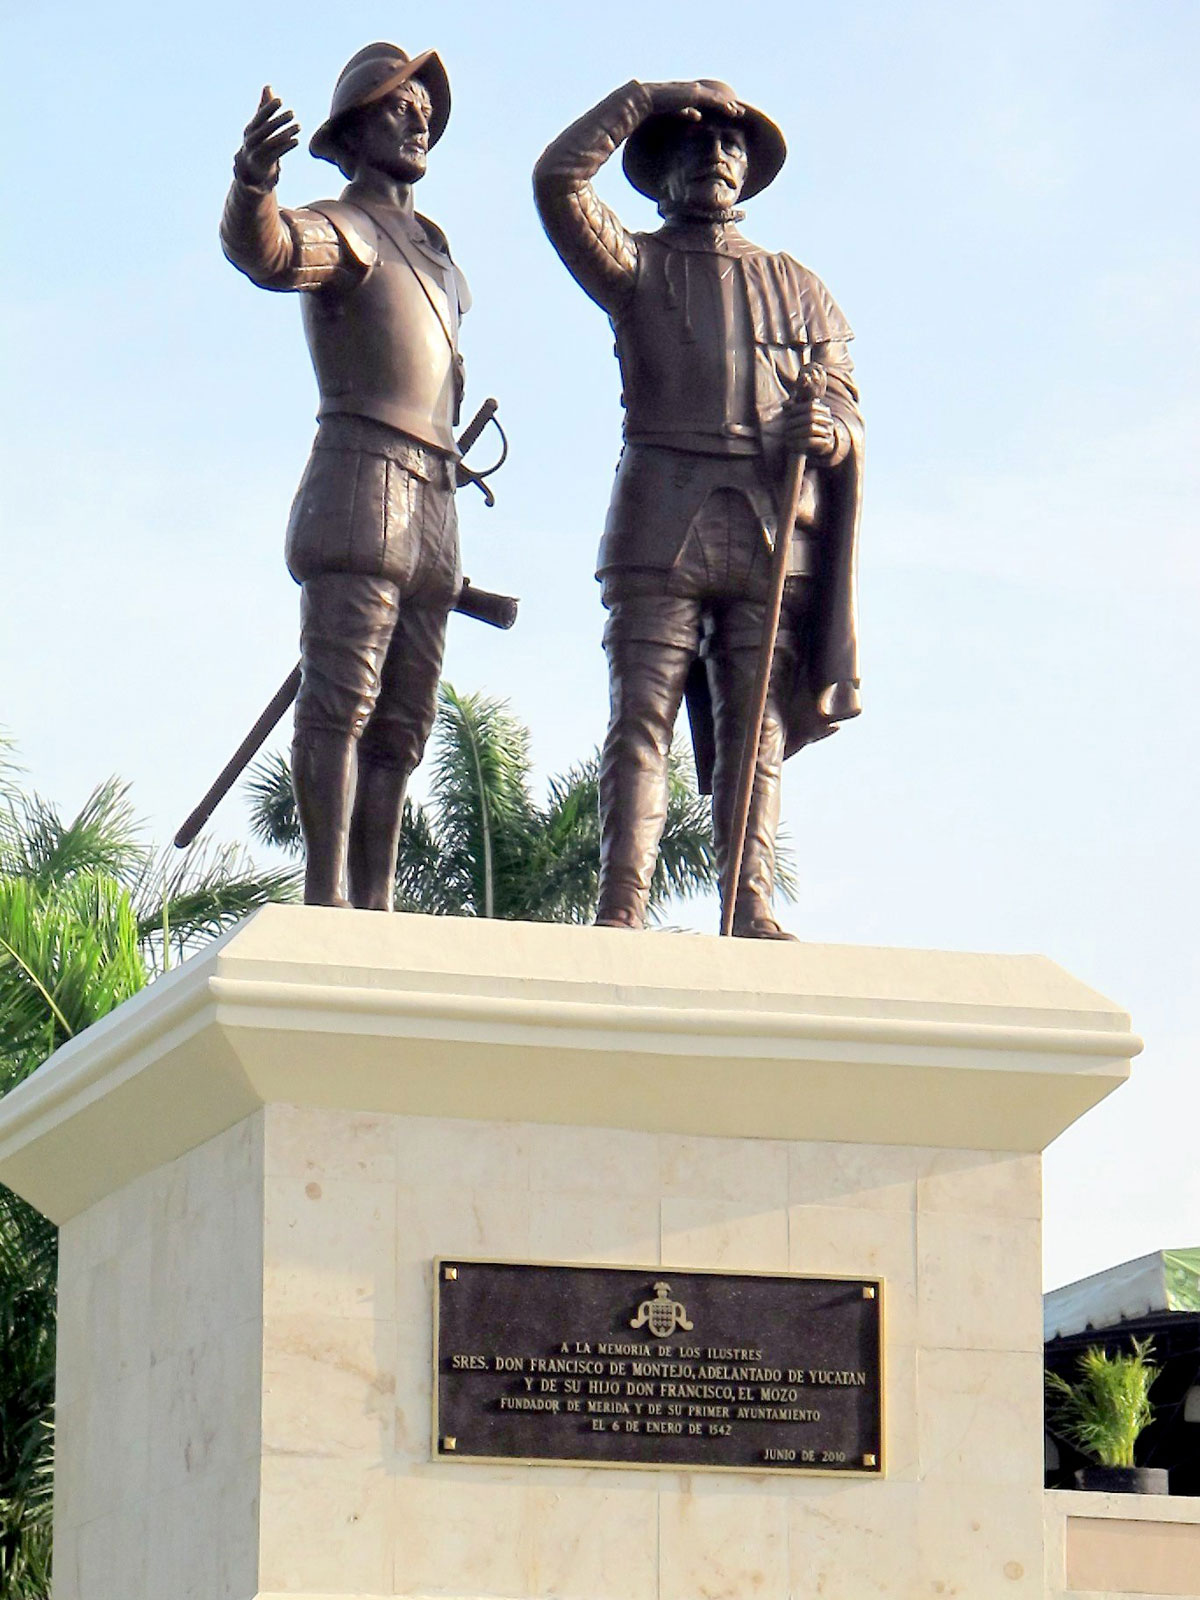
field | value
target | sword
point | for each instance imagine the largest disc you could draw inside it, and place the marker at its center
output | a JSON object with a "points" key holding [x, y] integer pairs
{"points": [[498, 610], [810, 385]]}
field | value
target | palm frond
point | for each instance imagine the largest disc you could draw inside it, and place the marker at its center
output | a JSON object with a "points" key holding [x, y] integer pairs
{"points": [[102, 838], [67, 957], [272, 802], [193, 896], [28, 1263], [482, 809], [422, 882], [563, 876]]}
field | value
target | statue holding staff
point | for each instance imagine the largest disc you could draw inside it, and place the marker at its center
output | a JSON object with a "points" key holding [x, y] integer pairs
{"points": [[737, 386]]}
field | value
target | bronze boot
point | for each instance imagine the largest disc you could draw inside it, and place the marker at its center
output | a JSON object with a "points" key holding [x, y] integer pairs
{"points": [[752, 914], [375, 834], [323, 778]]}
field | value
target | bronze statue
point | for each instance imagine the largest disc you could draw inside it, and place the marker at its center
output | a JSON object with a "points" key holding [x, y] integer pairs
{"points": [[373, 536], [734, 363]]}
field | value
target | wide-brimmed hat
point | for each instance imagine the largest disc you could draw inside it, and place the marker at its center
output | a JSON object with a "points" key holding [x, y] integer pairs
{"points": [[375, 71], [649, 146]]}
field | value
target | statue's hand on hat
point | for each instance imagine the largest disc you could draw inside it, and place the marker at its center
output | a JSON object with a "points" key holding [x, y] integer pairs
{"points": [[692, 100], [269, 135]]}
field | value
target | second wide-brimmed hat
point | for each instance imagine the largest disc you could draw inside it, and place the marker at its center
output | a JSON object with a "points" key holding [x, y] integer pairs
{"points": [[650, 145], [375, 71]]}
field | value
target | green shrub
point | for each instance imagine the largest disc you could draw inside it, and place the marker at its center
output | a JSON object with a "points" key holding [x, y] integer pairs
{"points": [[1108, 1405]]}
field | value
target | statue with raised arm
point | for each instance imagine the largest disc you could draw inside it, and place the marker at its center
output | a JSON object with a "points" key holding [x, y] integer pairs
{"points": [[736, 380], [372, 538]]}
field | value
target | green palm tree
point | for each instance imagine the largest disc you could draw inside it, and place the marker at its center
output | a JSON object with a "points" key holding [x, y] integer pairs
{"points": [[88, 914], [482, 845]]}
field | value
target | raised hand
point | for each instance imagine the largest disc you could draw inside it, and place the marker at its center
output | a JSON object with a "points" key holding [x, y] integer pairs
{"points": [[269, 135], [693, 100]]}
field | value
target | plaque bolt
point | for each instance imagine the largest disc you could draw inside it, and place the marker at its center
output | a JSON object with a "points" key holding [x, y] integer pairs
{"points": [[450, 1274], [868, 1291], [870, 1461], [449, 1442]]}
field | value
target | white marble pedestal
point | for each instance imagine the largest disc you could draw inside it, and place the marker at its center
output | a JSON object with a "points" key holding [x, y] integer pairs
{"points": [[255, 1162]]}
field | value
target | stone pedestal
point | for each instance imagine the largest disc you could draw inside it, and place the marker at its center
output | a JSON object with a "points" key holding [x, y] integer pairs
{"points": [[255, 1162]]}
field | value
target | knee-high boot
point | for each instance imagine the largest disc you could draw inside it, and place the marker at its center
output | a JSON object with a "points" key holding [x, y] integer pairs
{"points": [[753, 917], [323, 778], [375, 833]]}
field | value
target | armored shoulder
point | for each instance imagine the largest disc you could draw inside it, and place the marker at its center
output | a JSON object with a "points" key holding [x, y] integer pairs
{"points": [[353, 226]]}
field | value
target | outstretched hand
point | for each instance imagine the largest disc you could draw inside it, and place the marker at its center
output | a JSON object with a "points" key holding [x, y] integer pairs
{"points": [[692, 100], [269, 135]]}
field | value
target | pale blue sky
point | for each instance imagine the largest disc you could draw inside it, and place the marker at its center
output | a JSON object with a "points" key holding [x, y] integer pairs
{"points": [[1001, 198]]}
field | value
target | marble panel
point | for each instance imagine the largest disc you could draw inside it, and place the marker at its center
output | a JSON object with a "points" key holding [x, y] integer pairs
{"points": [[311, 1142], [134, 1285], [205, 1407], [453, 1221], [981, 1182], [66, 1575], [589, 1540], [980, 1417], [845, 1241], [579, 1160], [620, 1229], [724, 1169], [461, 1531], [979, 1282], [206, 1272], [92, 1488], [874, 1176], [726, 1234], [326, 1527], [900, 1400], [724, 1539], [328, 1386], [441, 1152], [412, 1419], [201, 1542], [139, 1207], [70, 1462], [108, 1568], [853, 1541], [329, 1248], [980, 1542], [123, 1458]]}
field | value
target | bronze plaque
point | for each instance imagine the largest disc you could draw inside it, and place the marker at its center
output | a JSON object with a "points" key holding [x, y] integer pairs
{"points": [[648, 1367]]}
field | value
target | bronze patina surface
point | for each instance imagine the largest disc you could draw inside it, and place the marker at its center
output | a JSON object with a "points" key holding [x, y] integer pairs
{"points": [[629, 1366], [373, 537], [712, 335]]}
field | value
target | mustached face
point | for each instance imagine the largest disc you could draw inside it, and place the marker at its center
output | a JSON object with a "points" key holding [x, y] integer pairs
{"points": [[392, 135], [707, 167]]}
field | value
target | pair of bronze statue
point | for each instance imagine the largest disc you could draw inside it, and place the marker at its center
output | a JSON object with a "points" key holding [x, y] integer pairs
{"points": [[710, 599]]}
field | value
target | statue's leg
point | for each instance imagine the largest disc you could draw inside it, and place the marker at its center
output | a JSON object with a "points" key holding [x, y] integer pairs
{"points": [[732, 662], [391, 749], [651, 641], [346, 625], [399, 727]]}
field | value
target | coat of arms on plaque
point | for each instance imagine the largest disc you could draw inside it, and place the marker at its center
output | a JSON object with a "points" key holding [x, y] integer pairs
{"points": [[662, 1315]]}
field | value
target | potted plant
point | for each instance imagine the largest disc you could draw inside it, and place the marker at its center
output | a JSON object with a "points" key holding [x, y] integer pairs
{"points": [[1103, 1412]]}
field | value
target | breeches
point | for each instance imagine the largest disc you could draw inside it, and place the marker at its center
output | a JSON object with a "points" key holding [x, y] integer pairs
{"points": [[371, 662], [373, 540], [712, 604]]}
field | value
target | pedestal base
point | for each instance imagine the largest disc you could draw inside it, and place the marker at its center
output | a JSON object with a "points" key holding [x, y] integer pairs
{"points": [[245, 1326]]}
